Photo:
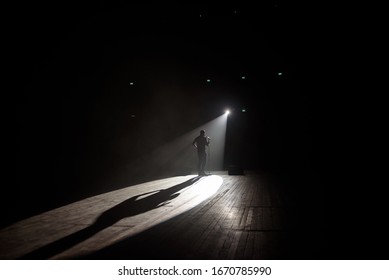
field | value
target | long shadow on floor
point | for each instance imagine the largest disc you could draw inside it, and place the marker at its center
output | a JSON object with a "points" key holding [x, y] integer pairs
{"points": [[130, 207]]}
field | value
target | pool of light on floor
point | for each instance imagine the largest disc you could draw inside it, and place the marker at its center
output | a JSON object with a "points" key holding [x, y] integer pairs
{"points": [[119, 214]]}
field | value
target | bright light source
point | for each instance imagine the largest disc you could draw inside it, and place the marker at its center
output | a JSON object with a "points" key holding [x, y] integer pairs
{"points": [[243, 110], [227, 112]]}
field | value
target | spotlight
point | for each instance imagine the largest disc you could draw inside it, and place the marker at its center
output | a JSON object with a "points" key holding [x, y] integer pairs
{"points": [[227, 112]]}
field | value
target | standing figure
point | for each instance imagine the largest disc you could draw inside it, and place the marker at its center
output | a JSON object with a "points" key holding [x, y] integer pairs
{"points": [[200, 142]]}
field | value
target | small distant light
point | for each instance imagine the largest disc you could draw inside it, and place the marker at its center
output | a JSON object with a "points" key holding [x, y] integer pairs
{"points": [[208, 80], [132, 116], [131, 83], [243, 110], [279, 73], [243, 77], [201, 15]]}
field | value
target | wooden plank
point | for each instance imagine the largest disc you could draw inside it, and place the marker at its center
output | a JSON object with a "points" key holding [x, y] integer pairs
{"points": [[241, 247], [248, 218]]}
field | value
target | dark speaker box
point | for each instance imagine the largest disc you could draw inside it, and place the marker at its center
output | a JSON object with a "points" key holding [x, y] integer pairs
{"points": [[235, 170]]}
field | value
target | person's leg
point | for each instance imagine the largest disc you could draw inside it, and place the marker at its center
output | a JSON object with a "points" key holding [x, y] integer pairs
{"points": [[199, 164], [203, 159]]}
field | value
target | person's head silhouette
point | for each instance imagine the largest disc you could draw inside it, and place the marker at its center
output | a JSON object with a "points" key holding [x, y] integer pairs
{"points": [[202, 132]]}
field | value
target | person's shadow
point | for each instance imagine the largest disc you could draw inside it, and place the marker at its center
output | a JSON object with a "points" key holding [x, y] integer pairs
{"points": [[130, 207]]}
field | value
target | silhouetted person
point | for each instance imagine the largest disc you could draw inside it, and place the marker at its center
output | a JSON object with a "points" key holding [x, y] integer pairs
{"points": [[200, 142]]}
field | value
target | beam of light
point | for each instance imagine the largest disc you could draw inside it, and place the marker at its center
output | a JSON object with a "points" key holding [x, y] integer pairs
{"points": [[179, 157], [216, 130], [227, 112], [94, 223]]}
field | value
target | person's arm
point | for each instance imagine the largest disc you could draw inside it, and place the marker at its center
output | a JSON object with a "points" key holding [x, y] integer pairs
{"points": [[194, 143]]}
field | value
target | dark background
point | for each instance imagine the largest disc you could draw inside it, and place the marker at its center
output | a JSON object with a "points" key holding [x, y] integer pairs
{"points": [[81, 125]]}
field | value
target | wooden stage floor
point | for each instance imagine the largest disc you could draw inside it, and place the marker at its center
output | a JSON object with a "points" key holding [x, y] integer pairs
{"points": [[220, 216]]}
